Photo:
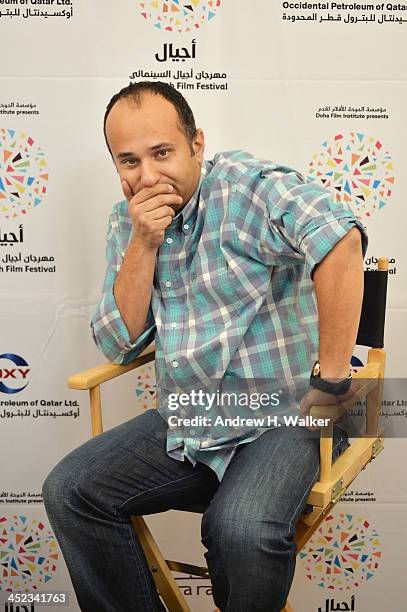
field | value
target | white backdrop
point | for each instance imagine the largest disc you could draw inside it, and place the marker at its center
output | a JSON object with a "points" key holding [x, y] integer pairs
{"points": [[278, 79]]}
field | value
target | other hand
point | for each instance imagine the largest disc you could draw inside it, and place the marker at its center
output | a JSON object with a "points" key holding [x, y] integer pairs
{"points": [[151, 212], [315, 397]]}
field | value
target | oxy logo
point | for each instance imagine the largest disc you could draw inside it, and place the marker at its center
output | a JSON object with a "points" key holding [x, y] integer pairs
{"points": [[14, 375]]}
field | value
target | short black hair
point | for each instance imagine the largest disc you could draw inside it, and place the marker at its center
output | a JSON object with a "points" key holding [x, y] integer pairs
{"points": [[158, 88]]}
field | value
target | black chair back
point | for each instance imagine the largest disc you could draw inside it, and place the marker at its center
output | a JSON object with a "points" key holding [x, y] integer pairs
{"points": [[372, 319]]}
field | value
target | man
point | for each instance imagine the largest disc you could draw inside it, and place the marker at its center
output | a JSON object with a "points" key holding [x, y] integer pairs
{"points": [[220, 262]]}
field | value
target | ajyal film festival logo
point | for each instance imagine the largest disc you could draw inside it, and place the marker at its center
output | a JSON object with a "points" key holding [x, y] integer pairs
{"points": [[179, 15], [28, 554], [343, 553], [357, 169], [23, 174]]}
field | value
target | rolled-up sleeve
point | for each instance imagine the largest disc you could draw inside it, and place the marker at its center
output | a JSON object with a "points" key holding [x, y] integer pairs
{"points": [[108, 328], [305, 222], [321, 240]]}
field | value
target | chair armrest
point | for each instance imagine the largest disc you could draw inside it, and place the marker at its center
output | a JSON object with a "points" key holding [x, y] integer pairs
{"points": [[92, 377]]}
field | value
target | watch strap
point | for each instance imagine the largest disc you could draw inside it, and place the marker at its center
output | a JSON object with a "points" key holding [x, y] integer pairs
{"points": [[337, 387]]}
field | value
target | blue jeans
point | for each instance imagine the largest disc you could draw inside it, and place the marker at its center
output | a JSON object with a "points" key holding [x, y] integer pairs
{"points": [[248, 528]]}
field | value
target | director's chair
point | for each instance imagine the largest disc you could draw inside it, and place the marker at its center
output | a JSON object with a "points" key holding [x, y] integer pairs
{"points": [[334, 479]]}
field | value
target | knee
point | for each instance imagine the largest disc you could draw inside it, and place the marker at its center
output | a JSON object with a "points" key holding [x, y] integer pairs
{"points": [[223, 531], [241, 552], [64, 478], [58, 486], [233, 536]]}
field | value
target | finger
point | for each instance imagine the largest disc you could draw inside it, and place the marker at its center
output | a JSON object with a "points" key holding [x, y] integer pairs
{"points": [[163, 223], [160, 202], [354, 386], [305, 404], [150, 192], [163, 200], [127, 190], [304, 409], [162, 211]]}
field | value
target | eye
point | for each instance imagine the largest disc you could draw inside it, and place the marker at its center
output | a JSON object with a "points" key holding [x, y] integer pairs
{"points": [[162, 153], [129, 161]]}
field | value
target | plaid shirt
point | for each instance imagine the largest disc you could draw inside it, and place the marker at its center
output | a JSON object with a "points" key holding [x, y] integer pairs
{"points": [[232, 297]]}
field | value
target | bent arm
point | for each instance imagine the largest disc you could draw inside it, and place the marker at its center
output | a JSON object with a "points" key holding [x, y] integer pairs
{"points": [[133, 287], [338, 282], [109, 328]]}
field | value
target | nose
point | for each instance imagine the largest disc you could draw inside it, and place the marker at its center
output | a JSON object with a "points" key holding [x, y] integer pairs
{"points": [[149, 176]]}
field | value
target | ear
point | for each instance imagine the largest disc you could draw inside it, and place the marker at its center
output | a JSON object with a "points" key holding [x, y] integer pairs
{"points": [[198, 145]]}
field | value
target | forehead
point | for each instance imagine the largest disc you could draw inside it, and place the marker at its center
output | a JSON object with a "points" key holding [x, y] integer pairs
{"points": [[130, 123]]}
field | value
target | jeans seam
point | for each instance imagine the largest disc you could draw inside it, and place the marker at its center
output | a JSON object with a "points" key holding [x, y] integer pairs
{"points": [[140, 563], [290, 559], [151, 490], [289, 575]]}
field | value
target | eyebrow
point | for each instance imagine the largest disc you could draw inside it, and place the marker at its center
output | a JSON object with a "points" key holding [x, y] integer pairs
{"points": [[156, 147]]}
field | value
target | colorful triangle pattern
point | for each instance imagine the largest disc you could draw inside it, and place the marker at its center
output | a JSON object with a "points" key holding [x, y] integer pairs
{"points": [[355, 167], [179, 15], [343, 552], [146, 389], [23, 174], [27, 554]]}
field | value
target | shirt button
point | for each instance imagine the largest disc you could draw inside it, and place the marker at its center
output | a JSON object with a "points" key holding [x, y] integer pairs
{"points": [[175, 364], [169, 240], [186, 226], [173, 325], [168, 284]]}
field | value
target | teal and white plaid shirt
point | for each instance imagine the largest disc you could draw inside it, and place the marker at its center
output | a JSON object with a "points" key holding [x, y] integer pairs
{"points": [[233, 295]]}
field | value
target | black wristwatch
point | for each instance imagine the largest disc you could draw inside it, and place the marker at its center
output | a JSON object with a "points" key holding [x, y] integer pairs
{"points": [[338, 387]]}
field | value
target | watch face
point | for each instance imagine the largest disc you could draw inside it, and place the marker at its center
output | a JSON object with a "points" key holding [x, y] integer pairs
{"points": [[316, 369]]}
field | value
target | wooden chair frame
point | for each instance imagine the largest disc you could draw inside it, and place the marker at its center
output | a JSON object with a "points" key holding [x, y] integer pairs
{"points": [[333, 481]]}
